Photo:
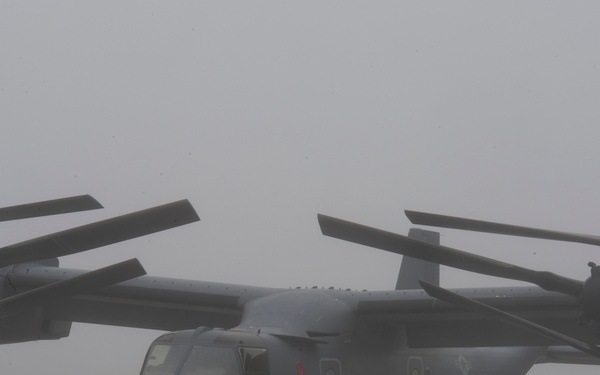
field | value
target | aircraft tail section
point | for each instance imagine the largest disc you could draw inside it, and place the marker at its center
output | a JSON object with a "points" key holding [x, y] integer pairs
{"points": [[412, 270], [567, 355]]}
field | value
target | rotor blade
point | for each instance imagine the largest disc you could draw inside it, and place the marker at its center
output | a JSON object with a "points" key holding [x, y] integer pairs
{"points": [[447, 256], [101, 233], [423, 218], [472, 305], [84, 283], [50, 207]]}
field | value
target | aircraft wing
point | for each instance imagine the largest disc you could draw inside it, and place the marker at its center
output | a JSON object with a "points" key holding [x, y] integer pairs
{"points": [[144, 302], [430, 322], [174, 304]]}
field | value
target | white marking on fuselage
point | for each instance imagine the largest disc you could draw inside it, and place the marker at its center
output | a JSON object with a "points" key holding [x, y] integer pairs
{"points": [[463, 365]]}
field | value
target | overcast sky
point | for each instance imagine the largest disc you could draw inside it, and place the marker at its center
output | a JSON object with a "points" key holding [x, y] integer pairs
{"points": [[264, 114]]}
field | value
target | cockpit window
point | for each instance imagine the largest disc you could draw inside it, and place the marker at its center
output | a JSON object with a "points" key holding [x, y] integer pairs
{"points": [[207, 360], [254, 361], [163, 359]]}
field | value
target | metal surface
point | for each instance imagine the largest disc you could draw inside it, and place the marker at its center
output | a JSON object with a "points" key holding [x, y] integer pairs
{"points": [[272, 330]]}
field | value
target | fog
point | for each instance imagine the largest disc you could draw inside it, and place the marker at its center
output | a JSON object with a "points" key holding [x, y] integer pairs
{"points": [[264, 114]]}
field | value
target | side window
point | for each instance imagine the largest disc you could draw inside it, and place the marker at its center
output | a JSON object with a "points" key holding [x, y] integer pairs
{"points": [[254, 361], [415, 366], [207, 360], [331, 366]]}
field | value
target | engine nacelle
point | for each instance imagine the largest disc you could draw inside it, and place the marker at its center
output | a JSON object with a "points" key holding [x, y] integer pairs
{"points": [[28, 325], [31, 326]]}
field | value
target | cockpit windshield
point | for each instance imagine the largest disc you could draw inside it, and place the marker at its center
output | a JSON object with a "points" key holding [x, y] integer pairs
{"points": [[163, 359], [207, 360], [168, 358]]}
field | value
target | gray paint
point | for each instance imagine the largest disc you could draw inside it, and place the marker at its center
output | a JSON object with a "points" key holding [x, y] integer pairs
{"points": [[361, 332], [412, 270]]}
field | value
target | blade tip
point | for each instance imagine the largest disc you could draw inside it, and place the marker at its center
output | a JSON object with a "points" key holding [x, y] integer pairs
{"points": [[94, 204], [324, 222], [411, 215]]}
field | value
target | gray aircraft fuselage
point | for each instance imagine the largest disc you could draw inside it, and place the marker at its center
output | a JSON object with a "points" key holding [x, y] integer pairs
{"points": [[314, 331]]}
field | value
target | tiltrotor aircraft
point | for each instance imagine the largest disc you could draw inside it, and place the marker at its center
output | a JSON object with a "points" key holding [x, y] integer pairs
{"points": [[224, 329]]}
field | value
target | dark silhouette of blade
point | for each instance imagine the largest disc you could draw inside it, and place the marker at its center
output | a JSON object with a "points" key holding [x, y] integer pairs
{"points": [[50, 207], [423, 218], [101, 233], [481, 308], [81, 284], [447, 256]]}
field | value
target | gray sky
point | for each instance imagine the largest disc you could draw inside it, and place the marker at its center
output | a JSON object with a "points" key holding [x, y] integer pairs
{"points": [[265, 113]]}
